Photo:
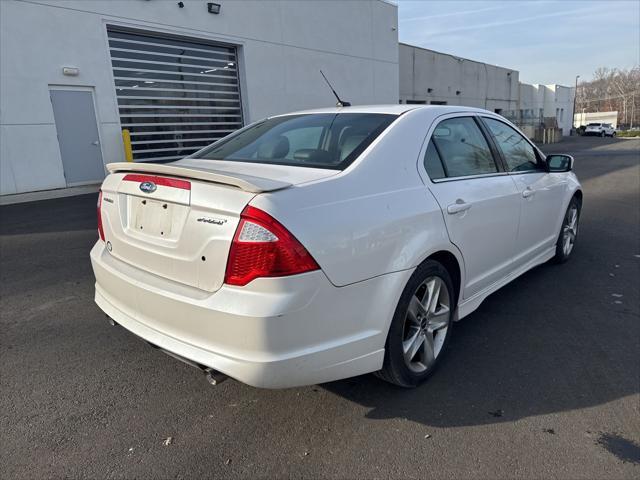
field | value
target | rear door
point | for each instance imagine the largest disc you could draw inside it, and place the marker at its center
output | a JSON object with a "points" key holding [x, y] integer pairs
{"points": [[77, 130], [542, 193], [480, 202]]}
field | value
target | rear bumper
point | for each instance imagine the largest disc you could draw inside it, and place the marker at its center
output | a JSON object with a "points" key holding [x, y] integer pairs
{"points": [[272, 333]]}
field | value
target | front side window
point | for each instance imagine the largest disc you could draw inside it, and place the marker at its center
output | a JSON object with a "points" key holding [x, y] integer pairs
{"points": [[322, 140], [518, 153], [462, 148]]}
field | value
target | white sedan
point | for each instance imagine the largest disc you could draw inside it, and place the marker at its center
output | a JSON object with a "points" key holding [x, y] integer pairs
{"points": [[325, 244]]}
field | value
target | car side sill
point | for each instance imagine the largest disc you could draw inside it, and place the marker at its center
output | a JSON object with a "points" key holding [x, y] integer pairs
{"points": [[472, 303]]}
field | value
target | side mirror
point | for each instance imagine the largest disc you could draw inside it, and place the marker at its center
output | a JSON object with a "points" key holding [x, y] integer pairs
{"points": [[559, 163]]}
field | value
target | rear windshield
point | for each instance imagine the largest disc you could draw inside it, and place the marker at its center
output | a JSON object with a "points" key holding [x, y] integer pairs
{"points": [[593, 125], [320, 140]]}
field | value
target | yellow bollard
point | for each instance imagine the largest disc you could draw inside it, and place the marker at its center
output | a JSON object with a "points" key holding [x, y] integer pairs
{"points": [[126, 140]]}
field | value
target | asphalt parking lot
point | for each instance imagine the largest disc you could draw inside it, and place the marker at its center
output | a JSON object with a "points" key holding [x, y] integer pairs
{"points": [[541, 382]]}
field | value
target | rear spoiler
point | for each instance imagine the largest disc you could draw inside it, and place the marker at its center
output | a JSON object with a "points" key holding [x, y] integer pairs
{"points": [[247, 183]]}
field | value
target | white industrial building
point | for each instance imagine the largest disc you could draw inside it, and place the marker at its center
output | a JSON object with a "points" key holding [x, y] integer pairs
{"points": [[430, 77], [177, 75], [539, 102], [434, 78], [581, 119], [557, 101]]}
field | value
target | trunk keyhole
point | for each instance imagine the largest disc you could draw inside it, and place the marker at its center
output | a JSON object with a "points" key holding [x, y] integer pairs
{"points": [[204, 259]]}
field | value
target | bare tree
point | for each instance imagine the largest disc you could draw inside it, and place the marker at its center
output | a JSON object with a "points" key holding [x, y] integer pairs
{"points": [[612, 90]]}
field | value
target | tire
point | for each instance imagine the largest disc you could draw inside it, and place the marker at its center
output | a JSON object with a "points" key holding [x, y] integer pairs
{"points": [[613, 134], [407, 328], [568, 232], [602, 134]]}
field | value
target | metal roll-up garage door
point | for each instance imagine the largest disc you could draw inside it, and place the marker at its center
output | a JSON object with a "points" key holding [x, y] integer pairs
{"points": [[175, 95]]}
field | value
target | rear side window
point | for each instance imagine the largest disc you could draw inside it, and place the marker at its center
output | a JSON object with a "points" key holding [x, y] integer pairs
{"points": [[433, 163], [462, 148], [323, 140], [518, 153]]}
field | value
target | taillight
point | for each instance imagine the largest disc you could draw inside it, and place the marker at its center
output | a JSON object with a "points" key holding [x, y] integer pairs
{"points": [[100, 229], [263, 247]]}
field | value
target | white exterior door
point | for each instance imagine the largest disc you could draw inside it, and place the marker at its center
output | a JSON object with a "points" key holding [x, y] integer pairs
{"points": [[480, 203], [541, 193]]}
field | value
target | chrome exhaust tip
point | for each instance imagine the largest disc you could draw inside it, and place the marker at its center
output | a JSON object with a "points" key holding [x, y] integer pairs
{"points": [[214, 377], [112, 322]]}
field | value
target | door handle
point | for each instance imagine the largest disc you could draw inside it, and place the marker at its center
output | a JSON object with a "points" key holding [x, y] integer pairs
{"points": [[459, 206], [528, 192]]}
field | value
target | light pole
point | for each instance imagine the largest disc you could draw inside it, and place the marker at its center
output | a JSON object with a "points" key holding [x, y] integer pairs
{"points": [[575, 94]]}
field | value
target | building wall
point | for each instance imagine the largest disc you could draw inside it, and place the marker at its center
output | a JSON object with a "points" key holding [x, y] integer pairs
{"points": [[281, 45], [531, 103], [558, 102], [538, 102], [429, 76]]}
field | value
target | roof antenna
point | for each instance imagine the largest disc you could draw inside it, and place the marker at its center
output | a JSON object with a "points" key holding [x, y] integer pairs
{"points": [[340, 102]]}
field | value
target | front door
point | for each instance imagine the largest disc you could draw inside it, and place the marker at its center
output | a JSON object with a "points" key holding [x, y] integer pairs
{"points": [[542, 193], [480, 203], [78, 138]]}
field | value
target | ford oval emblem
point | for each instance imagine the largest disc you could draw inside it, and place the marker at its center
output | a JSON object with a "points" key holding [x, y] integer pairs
{"points": [[148, 187]]}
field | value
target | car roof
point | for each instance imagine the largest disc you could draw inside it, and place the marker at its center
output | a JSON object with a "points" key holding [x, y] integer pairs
{"points": [[392, 109]]}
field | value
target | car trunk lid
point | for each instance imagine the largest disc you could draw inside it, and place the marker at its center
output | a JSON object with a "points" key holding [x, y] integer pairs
{"points": [[178, 220]]}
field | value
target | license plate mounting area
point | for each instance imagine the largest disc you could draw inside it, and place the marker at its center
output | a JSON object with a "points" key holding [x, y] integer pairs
{"points": [[153, 217]]}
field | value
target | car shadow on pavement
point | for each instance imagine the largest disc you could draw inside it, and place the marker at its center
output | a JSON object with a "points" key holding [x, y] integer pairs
{"points": [[521, 354]]}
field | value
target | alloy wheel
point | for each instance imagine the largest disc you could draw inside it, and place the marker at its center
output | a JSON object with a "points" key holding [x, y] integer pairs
{"points": [[426, 324], [570, 230]]}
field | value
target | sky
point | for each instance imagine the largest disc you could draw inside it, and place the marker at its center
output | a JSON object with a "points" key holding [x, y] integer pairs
{"points": [[546, 41]]}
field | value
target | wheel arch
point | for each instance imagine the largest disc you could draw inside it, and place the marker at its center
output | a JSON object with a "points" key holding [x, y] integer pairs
{"points": [[578, 195], [575, 193], [454, 266], [451, 263]]}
